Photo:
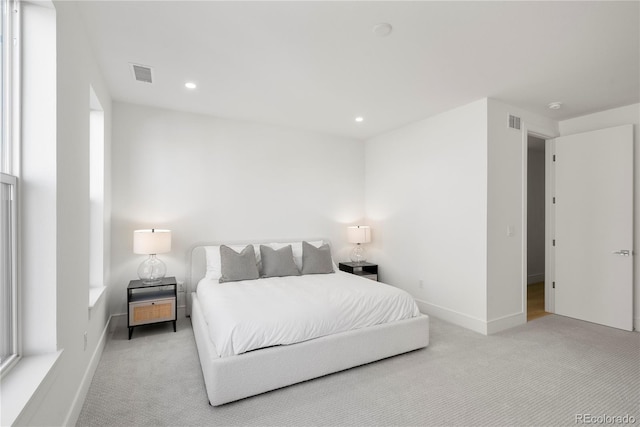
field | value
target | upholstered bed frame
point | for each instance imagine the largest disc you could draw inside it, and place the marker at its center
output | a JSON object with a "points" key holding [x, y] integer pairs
{"points": [[236, 377]]}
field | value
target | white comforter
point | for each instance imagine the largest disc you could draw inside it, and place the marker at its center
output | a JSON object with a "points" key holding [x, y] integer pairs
{"points": [[248, 315]]}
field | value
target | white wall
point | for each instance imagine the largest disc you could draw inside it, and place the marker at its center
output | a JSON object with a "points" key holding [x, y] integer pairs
{"points": [[77, 72], [506, 265], [65, 285], [445, 200], [616, 117], [210, 179], [426, 201]]}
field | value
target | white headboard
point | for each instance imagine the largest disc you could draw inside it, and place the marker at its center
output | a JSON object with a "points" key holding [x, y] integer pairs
{"points": [[197, 267]]}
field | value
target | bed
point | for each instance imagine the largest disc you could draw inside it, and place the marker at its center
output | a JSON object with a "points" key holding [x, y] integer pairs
{"points": [[235, 367]]}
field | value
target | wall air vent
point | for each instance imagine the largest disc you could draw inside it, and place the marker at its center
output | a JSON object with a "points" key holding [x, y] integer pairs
{"points": [[514, 122], [142, 73]]}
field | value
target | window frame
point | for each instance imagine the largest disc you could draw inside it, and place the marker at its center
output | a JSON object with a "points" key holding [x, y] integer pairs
{"points": [[15, 354], [10, 86], [10, 161]]}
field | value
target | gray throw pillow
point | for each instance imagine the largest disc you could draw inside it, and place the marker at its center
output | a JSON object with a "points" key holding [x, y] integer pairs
{"points": [[236, 266], [278, 263], [316, 260]]}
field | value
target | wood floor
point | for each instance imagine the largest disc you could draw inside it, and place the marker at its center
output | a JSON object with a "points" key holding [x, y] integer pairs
{"points": [[535, 301]]}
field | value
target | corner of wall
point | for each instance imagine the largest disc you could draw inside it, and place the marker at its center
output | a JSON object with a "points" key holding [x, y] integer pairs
{"points": [[506, 264]]}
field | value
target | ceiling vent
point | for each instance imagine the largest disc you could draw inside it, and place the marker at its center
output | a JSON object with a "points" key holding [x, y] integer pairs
{"points": [[142, 73], [514, 122]]}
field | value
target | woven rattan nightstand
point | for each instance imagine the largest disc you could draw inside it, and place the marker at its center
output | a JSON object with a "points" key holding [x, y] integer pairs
{"points": [[155, 303]]}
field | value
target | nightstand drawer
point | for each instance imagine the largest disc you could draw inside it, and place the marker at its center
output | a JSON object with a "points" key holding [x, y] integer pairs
{"points": [[141, 313]]}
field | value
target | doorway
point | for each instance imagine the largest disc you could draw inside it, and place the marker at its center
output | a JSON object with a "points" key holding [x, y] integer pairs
{"points": [[535, 228]]}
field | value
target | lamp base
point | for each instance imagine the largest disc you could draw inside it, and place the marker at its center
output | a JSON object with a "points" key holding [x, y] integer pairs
{"points": [[152, 270], [358, 254]]}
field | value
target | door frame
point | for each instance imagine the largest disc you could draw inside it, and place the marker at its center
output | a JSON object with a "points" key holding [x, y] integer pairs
{"points": [[549, 226], [549, 221]]}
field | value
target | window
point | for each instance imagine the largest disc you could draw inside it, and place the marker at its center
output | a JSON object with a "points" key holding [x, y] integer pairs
{"points": [[9, 337], [96, 198]]}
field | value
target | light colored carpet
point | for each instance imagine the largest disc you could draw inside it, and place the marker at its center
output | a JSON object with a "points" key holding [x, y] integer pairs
{"points": [[541, 373]]}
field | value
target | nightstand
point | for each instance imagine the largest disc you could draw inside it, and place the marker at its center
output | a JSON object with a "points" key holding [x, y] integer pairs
{"points": [[154, 303], [364, 269]]}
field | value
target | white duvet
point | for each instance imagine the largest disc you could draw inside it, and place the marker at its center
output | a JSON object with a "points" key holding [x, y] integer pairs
{"points": [[252, 314]]}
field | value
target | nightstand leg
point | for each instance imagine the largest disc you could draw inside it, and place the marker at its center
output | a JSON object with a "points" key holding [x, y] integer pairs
{"points": [[130, 332], [174, 326]]}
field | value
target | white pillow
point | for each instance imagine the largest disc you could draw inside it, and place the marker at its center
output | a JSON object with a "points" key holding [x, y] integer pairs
{"points": [[214, 269]]}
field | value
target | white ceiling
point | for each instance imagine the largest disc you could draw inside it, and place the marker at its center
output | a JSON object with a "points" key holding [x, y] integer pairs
{"points": [[318, 65]]}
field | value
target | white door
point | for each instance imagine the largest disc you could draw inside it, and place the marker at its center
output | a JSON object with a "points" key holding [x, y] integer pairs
{"points": [[594, 226]]}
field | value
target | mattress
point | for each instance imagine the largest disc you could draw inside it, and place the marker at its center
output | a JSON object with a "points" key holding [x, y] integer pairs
{"points": [[249, 315]]}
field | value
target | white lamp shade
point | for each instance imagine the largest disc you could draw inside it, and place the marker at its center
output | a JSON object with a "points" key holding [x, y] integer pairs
{"points": [[359, 234], [152, 241]]}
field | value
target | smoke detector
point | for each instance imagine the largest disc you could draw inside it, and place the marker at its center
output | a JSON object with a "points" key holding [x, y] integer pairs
{"points": [[555, 105], [382, 30]]}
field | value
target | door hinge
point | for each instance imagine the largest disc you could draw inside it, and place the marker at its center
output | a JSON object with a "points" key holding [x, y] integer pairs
{"points": [[553, 284], [554, 200], [553, 242], [554, 157]]}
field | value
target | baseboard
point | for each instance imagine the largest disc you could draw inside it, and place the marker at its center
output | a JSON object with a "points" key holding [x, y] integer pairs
{"points": [[636, 324], [505, 322], [535, 278], [452, 316], [81, 394]]}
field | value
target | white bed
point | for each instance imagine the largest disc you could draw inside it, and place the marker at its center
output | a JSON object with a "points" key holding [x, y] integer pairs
{"points": [[332, 347]]}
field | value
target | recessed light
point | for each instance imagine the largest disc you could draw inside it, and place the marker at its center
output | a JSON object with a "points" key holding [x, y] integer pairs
{"points": [[359, 119], [382, 30], [190, 85], [555, 105]]}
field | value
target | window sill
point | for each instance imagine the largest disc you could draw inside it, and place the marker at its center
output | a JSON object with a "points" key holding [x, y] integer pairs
{"points": [[95, 294], [20, 385]]}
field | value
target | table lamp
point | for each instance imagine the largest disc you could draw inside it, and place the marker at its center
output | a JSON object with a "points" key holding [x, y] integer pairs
{"points": [[358, 234], [151, 242]]}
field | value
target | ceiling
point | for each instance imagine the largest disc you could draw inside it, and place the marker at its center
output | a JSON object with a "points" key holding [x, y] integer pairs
{"points": [[318, 65]]}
